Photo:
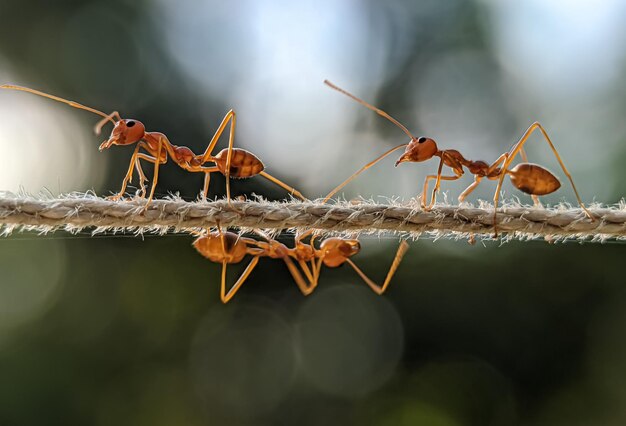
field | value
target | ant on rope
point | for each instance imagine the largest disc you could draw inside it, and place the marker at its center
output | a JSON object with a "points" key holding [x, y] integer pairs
{"points": [[530, 178], [231, 162], [228, 247]]}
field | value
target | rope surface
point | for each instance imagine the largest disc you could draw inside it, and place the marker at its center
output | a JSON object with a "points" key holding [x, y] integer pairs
{"points": [[75, 212]]}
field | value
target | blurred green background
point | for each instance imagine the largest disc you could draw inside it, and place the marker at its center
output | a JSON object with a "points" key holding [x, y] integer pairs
{"points": [[117, 330]]}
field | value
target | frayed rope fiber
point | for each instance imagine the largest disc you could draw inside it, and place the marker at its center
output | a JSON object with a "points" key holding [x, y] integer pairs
{"points": [[74, 212]]}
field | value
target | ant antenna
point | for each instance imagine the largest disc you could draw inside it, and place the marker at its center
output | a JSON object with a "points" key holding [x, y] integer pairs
{"points": [[373, 108], [56, 98]]}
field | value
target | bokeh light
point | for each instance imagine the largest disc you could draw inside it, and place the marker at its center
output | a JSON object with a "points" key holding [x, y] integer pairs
{"points": [[243, 361], [350, 342]]}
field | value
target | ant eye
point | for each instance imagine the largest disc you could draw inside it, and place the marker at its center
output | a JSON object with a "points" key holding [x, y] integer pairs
{"points": [[130, 123], [421, 140]]}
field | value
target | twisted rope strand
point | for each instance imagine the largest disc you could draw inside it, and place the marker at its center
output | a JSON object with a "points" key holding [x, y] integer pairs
{"points": [[75, 212]]}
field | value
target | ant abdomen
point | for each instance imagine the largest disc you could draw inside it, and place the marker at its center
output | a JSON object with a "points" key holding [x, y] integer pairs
{"points": [[243, 164], [218, 248], [533, 179]]}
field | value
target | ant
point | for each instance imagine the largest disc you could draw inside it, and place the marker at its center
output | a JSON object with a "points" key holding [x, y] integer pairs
{"points": [[228, 247], [530, 178], [231, 162]]}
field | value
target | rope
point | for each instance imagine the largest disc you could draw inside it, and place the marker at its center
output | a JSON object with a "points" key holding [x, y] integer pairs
{"points": [[75, 212]]}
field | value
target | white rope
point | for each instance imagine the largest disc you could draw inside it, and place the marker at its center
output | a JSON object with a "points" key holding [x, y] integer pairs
{"points": [[75, 212]]}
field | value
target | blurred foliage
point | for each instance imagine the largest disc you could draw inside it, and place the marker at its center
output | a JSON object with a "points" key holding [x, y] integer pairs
{"points": [[127, 330]]}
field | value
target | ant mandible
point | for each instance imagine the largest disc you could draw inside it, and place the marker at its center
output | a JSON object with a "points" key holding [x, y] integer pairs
{"points": [[231, 162], [532, 179]]}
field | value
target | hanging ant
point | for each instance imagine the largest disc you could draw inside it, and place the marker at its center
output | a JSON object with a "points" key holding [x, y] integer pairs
{"points": [[231, 162], [532, 179], [228, 247]]}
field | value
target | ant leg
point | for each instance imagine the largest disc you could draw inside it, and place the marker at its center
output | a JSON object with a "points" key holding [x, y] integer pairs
{"points": [[283, 185], [470, 188], [308, 268], [494, 166], [97, 129], [436, 188], [230, 115], [129, 173], [425, 190], [362, 169], [155, 176], [519, 146], [301, 236], [496, 199], [142, 178], [404, 246], [142, 175], [305, 288], [207, 179], [310, 273], [500, 177], [226, 296], [318, 268], [232, 118], [522, 152]]}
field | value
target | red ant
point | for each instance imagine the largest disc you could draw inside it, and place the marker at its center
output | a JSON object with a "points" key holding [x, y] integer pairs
{"points": [[231, 162], [530, 178], [228, 247]]}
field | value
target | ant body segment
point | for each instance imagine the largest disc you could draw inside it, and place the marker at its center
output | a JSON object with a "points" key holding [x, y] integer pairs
{"points": [[530, 178], [231, 162]]}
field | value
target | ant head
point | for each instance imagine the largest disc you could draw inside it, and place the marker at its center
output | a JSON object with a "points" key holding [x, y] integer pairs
{"points": [[337, 250], [419, 149], [125, 132]]}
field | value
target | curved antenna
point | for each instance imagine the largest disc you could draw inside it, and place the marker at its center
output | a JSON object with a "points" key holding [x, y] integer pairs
{"points": [[58, 99], [358, 172], [373, 108]]}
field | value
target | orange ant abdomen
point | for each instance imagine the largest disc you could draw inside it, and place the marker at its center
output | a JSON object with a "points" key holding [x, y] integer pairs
{"points": [[533, 179], [231, 250], [243, 164]]}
